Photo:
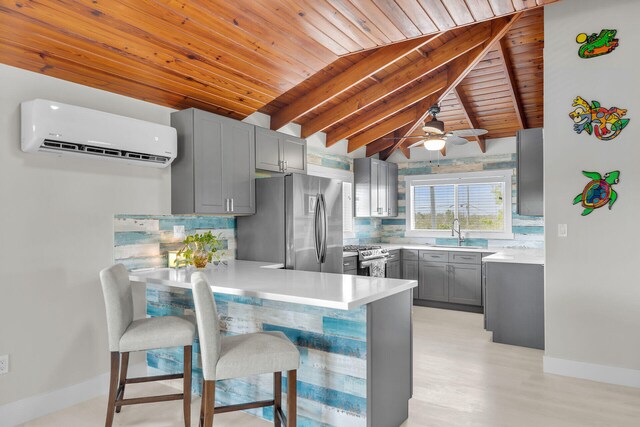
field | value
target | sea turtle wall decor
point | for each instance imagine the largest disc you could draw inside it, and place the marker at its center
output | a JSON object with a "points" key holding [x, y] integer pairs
{"points": [[605, 124], [595, 45], [598, 192]]}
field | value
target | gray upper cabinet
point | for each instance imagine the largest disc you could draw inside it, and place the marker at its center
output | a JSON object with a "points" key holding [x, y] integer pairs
{"points": [[530, 172], [214, 172], [376, 188], [392, 189], [278, 152]]}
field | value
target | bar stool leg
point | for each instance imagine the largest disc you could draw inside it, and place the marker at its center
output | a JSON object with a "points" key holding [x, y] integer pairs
{"points": [[277, 398], [187, 386], [203, 399], [124, 367], [292, 404], [209, 403], [113, 388]]}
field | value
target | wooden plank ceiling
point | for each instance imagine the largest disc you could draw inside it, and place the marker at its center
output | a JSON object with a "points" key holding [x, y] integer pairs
{"points": [[346, 67], [487, 75]]}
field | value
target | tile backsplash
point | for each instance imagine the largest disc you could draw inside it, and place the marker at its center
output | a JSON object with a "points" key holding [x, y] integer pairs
{"points": [[142, 241], [528, 231]]}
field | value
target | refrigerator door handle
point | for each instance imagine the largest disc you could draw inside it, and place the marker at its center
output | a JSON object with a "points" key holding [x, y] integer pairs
{"points": [[323, 249], [316, 227]]}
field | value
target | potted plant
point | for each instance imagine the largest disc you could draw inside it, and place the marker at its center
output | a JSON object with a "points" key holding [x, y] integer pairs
{"points": [[199, 249]]}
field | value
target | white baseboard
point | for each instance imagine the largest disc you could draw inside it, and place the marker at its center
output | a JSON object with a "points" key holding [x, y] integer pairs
{"points": [[591, 371], [21, 411]]}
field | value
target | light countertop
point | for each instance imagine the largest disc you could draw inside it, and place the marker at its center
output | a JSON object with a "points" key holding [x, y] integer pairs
{"points": [[272, 282], [517, 256]]}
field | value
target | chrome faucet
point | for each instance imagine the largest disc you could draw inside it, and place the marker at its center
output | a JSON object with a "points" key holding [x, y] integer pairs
{"points": [[454, 231]]}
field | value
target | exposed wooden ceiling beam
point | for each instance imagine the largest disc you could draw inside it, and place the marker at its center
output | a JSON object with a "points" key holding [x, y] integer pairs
{"points": [[376, 132], [388, 107], [358, 72], [461, 67], [395, 81], [473, 123], [513, 87]]}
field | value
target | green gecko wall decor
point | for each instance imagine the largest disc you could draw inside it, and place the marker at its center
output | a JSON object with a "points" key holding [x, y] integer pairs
{"points": [[598, 192], [595, 45]]}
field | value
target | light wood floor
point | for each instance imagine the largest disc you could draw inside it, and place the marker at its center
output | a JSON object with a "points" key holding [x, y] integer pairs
{"points": [[461, 378]]}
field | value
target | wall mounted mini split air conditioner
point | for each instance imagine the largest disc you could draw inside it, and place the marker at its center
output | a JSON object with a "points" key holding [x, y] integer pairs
{"points": [[62, 129]]}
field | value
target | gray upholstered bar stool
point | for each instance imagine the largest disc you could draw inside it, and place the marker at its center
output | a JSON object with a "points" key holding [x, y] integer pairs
{"points": [[127, 335], [242, 356]]}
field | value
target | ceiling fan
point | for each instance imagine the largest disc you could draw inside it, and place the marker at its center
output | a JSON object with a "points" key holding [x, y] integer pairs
{"points": [[435, 137]]}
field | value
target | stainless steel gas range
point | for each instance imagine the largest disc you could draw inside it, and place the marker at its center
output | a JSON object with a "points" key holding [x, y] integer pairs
{"points": [[372, 259]]}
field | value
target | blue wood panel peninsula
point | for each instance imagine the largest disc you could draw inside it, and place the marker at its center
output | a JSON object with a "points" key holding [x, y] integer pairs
{"points": [[354, 338]]}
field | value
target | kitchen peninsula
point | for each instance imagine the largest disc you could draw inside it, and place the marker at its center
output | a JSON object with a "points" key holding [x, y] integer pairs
{"points": [[354, 334]]}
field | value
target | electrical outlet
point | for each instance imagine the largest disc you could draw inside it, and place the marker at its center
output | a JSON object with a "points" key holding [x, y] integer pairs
{"points": [[179, 232], [4, 364], [189, 312]]}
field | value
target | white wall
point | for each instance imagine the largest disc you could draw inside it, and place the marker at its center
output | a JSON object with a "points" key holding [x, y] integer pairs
{"points": [[592, 289], [56, 216]]}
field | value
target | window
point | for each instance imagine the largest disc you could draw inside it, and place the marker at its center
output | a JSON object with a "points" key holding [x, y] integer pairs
{"points": [[346, 177], [480, 201]]}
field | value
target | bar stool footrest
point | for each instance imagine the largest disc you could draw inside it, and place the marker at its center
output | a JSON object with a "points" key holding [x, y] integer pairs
{"points": [[243, 406], [150, 399]]}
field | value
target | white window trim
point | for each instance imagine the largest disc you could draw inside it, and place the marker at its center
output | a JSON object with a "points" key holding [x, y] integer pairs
{"points": [[505, 176], [342, 175]]}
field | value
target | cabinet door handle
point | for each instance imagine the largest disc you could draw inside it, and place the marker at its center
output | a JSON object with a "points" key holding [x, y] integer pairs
{"points": [[226, 206], [231, 205]]}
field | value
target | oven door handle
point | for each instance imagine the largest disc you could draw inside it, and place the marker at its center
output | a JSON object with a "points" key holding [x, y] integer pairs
{"points": [[367, 263]]}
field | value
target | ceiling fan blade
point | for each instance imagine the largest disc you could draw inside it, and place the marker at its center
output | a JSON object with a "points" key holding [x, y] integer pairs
{"points": [[469, 132], [406, 137], [456, 140], [416, 144]]}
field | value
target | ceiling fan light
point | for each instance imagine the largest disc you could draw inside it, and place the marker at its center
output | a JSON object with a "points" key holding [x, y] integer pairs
{"points": [[434, 144], [434, 126]]}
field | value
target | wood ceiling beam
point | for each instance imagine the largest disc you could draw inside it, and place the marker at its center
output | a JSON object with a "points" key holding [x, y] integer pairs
{"points": [[385, 127], [513, 87], [395, 81], [388, 108], [473, 123], [460, 68], [358, 72]]}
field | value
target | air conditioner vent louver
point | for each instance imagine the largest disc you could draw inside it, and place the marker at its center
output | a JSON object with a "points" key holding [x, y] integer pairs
{"points": [[100, 151]]}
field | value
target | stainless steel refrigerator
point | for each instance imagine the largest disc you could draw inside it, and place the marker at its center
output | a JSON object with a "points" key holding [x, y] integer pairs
{"points": [[298, 223]]}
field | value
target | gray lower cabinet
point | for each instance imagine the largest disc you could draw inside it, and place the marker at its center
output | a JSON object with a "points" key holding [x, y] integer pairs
{"points": [[410, 270], [465, 284], [214, 172], [350, 265], [449, 277], [394, 265], [279, 152], [514, 309], [433, 282]]}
